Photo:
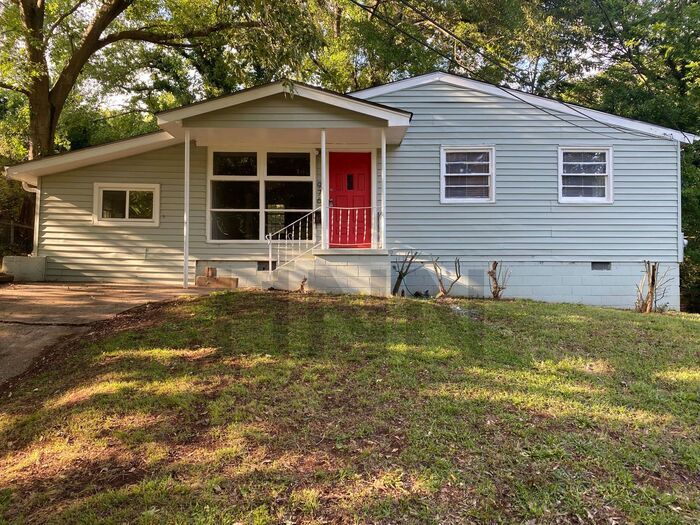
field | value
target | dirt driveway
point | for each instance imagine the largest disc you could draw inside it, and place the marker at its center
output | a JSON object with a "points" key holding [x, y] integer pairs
{"points": [[35, 316]]}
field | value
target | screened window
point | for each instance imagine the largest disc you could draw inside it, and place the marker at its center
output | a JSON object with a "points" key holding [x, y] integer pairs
{"points": [[467, 175], [585, 175], [246, 203], [126, 204]]}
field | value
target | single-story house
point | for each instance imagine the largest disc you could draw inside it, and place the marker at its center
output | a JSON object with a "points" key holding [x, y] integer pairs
{"points": [[286, 181]]}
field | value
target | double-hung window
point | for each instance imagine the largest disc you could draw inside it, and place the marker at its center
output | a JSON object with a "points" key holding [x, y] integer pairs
{"points": [[126, 204], [585, 175], [467, 175], [255, 193]]}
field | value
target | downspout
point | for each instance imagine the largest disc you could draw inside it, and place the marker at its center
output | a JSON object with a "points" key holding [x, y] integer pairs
{"points": [[186, 215], [681, 238]]}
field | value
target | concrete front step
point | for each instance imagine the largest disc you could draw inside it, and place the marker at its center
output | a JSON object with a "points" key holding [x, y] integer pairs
{"points": [[336, 272]]}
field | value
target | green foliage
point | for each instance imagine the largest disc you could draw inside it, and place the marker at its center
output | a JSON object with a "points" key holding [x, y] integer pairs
{"points": [[14, 118]]}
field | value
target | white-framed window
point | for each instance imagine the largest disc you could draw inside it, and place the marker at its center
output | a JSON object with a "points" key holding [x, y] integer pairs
{"points": [[585, 175], [120, 204], [467, 174], [253, 193]]}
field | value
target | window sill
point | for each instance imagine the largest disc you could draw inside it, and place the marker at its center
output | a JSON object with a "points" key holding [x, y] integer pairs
{"points": [[467, 201], [587, 202]]}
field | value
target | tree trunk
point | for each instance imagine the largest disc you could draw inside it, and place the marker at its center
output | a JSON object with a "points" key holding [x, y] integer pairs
{"points": [[42, 126]]}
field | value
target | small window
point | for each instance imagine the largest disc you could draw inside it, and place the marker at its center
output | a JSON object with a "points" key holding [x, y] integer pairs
{"points": [[133, 204], [585, 175], [601, 266], [467, 175]]}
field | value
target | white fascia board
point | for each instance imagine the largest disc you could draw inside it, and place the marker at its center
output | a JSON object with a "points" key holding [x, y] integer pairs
{"points": [[29, 171], [394, 117], [535, 100]]}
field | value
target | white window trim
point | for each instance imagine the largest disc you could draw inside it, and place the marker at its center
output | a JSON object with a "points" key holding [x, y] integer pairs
{"points": [[260, 178], [492, 175], [609, 187], [99, 187]]}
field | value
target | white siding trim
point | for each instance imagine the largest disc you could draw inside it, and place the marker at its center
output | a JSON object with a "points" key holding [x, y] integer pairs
{"points": [[99, 187], [609, 188], [444, 149]]}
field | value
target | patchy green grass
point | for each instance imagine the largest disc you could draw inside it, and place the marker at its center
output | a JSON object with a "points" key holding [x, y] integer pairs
{"points": [[267, 408]]}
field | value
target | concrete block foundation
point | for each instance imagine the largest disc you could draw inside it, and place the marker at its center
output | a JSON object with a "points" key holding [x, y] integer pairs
{"points": [[560, 282]]}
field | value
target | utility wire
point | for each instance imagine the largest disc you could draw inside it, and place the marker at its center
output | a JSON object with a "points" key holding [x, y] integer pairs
{"points": [[509, 92], [474, 47], [469, 45], [635, 63]]}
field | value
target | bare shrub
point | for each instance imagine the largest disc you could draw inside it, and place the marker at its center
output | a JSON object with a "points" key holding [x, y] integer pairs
{"points": [[498, 279], [403, 268], [444, 291], [652, 288]]}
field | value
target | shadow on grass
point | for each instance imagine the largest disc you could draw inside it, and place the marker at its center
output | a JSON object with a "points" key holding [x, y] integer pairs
{"points": [[265, 407]]}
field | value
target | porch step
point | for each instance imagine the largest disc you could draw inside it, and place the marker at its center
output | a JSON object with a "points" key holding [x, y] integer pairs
{"points": [[336, 272]]}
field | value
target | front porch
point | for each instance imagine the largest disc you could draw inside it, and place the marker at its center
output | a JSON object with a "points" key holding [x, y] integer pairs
{"points": [[295, 189]]}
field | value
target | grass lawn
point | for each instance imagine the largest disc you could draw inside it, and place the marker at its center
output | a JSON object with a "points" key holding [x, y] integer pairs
{"points": [[282, 408]]}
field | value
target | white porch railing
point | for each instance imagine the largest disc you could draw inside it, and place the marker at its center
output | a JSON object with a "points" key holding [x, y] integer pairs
{"points": [[350, 227], [347, 228], [291, 242]]}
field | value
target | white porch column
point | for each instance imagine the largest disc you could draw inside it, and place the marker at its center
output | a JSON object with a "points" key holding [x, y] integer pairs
{"points": [[324, 193], [186, 216], [383, 202]]}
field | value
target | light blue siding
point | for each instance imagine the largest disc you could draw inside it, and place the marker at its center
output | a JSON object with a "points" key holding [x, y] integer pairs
{"points": [[526, 222]]}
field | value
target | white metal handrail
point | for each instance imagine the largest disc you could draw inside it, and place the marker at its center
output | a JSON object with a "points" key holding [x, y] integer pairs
{"points": [[291, 242], [350, 226]]}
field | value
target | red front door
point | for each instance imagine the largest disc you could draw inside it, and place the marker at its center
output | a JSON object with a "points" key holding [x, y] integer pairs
{"points": [[350, 192]]}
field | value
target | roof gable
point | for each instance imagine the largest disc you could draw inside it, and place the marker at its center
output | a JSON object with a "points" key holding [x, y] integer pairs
{"points": [[392, 116], [546, 104], [283, 110]]}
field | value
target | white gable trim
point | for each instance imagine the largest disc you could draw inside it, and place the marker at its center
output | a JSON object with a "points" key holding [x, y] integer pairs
{"points": [[546, 103], [394, 117], [30, 171]]}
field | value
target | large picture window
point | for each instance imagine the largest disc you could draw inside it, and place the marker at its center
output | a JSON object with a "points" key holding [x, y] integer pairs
{"points": [[253, 193], [585, 175], [126, 204], [467, 175]]}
